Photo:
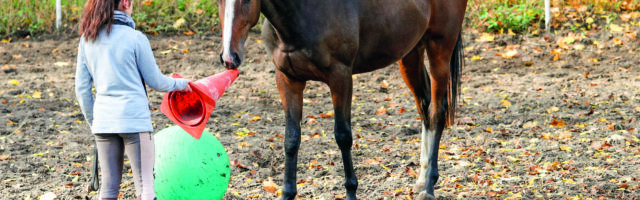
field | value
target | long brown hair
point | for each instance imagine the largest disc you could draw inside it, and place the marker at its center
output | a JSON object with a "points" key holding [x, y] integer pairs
{"points": [[96, 14]]}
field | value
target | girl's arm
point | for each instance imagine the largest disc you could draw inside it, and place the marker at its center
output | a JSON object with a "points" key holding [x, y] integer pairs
{"points": [[150, 71], [83, 86]]}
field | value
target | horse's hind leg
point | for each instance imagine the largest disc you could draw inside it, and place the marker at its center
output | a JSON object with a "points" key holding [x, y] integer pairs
{"points": [[341, 88], [440, 41], [440, 48], [291, 95], [415, 76]]}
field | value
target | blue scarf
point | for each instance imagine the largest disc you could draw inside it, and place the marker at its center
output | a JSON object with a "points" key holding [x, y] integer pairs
{"points": [[123, 18]]}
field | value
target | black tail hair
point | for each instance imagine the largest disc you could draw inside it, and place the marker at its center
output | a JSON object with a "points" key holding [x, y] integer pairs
{"points": [[456, 64]]}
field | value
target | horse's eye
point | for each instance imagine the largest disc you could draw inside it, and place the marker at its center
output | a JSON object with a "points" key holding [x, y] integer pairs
{"points": [[246, 1]]}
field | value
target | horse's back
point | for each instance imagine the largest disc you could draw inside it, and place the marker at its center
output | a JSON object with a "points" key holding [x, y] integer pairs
{"points": [[378, 34]]}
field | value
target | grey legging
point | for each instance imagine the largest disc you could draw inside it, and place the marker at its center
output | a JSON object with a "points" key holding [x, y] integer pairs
{"points": [[139, 148]]}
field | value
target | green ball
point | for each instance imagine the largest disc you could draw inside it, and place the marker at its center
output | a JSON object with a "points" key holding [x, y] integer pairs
{"points": [[186, 168]]}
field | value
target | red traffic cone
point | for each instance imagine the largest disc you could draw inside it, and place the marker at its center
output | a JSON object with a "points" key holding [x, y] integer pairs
{"points": [[191, 110]]}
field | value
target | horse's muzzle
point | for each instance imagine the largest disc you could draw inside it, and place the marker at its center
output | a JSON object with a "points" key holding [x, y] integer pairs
{"points": [[231, 62]]}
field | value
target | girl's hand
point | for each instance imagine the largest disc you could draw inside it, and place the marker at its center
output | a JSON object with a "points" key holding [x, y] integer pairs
{"points": [[187, 88]]}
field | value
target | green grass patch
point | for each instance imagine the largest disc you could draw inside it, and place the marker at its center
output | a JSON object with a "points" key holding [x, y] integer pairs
{"points": [[523, 15], [29, 17]]}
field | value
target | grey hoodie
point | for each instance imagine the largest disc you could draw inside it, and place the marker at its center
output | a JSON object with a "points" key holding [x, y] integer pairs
{"points": [[113, 64]]}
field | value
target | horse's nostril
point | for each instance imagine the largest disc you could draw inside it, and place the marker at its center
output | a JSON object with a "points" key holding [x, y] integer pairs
{"points": [[221, 59], [236, 59]]}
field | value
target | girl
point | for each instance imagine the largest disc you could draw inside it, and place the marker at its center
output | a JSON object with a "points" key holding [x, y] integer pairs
{"points": [[118, 60]]}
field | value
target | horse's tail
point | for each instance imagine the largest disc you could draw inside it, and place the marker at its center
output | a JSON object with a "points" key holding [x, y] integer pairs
{"points": [[455, 68]]}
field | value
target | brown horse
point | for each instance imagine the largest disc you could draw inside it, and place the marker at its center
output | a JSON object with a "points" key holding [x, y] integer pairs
{"points": [[329, 40]]}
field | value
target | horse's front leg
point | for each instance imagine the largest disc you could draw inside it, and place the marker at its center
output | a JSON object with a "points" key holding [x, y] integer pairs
{"points": [[341, 92], [291, 95]]}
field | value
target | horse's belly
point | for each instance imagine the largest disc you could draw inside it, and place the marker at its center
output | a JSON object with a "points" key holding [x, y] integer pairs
{"points": [[380, 53], [373, 63]]}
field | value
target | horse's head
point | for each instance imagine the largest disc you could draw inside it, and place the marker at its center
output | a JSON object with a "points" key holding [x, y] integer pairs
{"points": [[237, 17]]}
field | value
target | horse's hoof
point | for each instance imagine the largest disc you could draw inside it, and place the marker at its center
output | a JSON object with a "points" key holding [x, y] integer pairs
{"points": [[425, 196], [351, 195], [286, 196], [419, 186]]}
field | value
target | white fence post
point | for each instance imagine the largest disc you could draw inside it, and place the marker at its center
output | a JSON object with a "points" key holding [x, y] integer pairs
{"points": [[58, 15], [547, 16]]}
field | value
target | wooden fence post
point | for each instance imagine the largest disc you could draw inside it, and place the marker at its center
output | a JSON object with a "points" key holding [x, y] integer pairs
{"points": [[547, 16], [58, 15]]}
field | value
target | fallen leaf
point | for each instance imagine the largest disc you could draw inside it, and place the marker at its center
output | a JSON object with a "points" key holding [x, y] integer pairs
{"points": [[270, 186], [14, 82], [509, 54], [625, 17], [505, 103], [384, 84], [188, 33], [48, 196], [558, 123], [488, 129], [178, 23], [569, 181], [37, 94], [617, 41], [486, 37], [568, 40], [528, 63], [624, 185], [147, 2], [237, 164], [565, 135], [589, 20], [256, 118], [614, 28], [61, 64], [381, 110], [553, 109], [328, 115]]}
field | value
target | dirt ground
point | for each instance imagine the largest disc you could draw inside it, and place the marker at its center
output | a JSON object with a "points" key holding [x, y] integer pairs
{"points": [[539, 118]]}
